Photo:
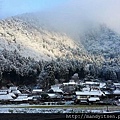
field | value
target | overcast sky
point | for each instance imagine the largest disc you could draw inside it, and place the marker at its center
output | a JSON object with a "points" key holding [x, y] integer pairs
{"points": [[67, 15]]}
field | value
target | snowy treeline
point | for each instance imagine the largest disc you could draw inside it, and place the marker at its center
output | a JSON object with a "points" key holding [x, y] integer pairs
{"points": [[20, 70], [16, 68]]}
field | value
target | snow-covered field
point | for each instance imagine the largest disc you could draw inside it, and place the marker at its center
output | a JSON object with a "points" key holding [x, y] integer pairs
{"points": [[25, 108], [46, 110]]}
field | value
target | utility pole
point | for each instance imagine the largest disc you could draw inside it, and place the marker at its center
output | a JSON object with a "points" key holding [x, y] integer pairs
{"points": [[107, 109], [107, 104]]}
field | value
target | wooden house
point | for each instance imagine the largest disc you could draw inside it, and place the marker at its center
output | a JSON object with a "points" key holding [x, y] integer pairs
{"points": [[89, 96], [5, 96]]}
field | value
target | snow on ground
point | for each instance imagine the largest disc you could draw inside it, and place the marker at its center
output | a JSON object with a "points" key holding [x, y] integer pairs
{"points": [[46, 110], [28, 109]]}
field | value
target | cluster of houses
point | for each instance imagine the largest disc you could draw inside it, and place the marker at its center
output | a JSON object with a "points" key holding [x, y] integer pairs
{"points": [[90, 91]]}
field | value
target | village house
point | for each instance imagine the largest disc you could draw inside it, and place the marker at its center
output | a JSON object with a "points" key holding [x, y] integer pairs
{"points": [[55, 93], [6, 96], [22, 98], [117, 85], [90, 92], [116, 92], [37, 91], [70, 83], [14, 90], [77, 91], [89, 96], [56, 89]]}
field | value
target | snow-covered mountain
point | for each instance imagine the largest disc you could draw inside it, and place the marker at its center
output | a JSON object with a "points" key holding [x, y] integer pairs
{"points": [[38, 43], [31, 51], [102, 41], [26, 48]]}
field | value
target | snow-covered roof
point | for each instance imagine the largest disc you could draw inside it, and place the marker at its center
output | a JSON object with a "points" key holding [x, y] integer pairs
{"points": [[65, 83], [30, 98], [102, 85], [97, 93], [16, 92], [107, 92], [83, 97], [92, 83], [52, 95], [22, 97], [117, 91], [71, 82], [86, 89], [3, 92], [56, 89], [93, 98], [12, 94], [13, 88], [36, 90], [116, 84], [5, 97]]}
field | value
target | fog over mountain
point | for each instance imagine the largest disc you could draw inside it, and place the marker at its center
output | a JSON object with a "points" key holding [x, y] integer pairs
{"points": [[75, 16]]}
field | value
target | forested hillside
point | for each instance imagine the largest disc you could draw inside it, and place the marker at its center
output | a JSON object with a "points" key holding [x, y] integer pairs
{"points": [[104, 42], [25, 50], [34, 55]]}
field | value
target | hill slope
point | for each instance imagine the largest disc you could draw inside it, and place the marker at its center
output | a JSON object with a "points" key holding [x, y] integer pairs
{"points": [[102, 41], [37, 43], [26, 51], [31, 53]]}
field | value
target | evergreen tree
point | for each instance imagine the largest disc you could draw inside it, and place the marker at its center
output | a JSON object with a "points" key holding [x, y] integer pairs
{"points": [[46, 77]]}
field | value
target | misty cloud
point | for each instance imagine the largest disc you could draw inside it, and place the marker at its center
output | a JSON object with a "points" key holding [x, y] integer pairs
{"points": [[76, 16], [72, 16]]}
